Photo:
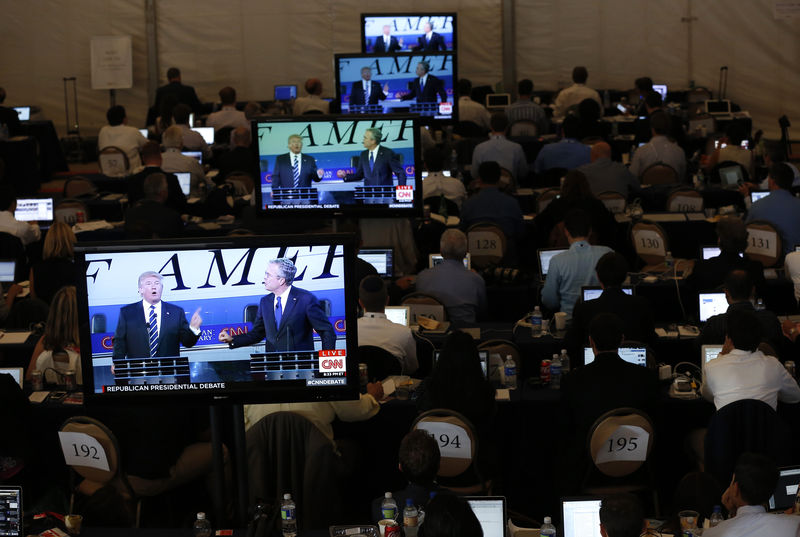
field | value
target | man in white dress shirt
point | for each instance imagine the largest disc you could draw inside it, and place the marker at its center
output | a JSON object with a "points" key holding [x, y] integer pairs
{"points": [[573, 95], [119, 134], [228, 115]]}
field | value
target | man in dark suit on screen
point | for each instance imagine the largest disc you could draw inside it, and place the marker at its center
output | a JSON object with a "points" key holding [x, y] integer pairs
{"points": [[386, 42], [152, 327], [366, 90], [286, 316], [376, 163], [295, 169], [431, 41], [425, 87]]}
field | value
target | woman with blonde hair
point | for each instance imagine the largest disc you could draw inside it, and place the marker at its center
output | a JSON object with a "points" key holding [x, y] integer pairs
{"points": [[59, 346], [57, 267]]}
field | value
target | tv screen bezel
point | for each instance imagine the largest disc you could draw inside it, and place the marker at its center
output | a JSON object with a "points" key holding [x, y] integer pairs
{"points": [[264, 394], [371, 211], [453, 14]]}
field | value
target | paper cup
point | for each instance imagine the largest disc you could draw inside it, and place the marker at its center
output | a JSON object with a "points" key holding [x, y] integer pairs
{"points": [[561, 320]]}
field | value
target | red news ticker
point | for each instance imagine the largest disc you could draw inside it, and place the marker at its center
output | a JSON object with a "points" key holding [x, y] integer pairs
{"points": [[330, 353]]}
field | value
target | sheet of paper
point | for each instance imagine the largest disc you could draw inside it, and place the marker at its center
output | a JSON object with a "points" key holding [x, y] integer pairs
{"points": [[453, 440], [80, 449], [502, 394], [626, 443]]}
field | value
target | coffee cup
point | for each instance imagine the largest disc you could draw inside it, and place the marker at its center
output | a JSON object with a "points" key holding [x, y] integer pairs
{"points": [[561, 320]]}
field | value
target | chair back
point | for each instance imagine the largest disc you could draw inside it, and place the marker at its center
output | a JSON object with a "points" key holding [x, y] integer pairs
{"points": [[70, 211], [498, 350], [544, 199], [425, 301], [223, 136], [649, 242], [620, 441], [79, 187], [523, 127], [763, 243], [614, 201], [242, 183], [685, 200], [659, 174], [456, 436], [113, 162], [103, 435], [380, 362], [486, 244]]}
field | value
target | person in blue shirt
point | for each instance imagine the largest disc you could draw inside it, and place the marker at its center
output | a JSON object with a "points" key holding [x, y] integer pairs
{"points": [[571, 270], [490, 204], [568, 153], [780, 208]]}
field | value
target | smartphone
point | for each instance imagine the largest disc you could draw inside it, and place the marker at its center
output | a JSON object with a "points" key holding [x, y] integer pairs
{"points": [[56, 396]]}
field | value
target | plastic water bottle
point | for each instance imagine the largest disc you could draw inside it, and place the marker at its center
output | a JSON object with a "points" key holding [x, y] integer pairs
{"points": [[564, 362], [202, 527], [410, 518], [389, 507], [669, 261], [716, 516], [536, 322], [547, 529], [510, 372], [555, 372], [288, 516]]}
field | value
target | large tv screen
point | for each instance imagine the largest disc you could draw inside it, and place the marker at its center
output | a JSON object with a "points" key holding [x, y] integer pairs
{"points": [[407, 32], [421, 84], [338, 166], [205, 293]]}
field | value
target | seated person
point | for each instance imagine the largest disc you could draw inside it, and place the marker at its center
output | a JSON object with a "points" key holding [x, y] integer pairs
{"points": [[59, 346], [173, 161], [780, 208], [635, 311], [437, 184], [192, 140], [492, 205], [227, 115], [754, 480], [509, 155], [150, 217], [660, 149], [119, 134], [313, 103], [419, 462], [571, 270], [621, 515], [567, 153], [742, 371], [709, 274], [151, 157], [57, 267], [375, 329], [732, 151], [240, 159], [447, 515], [606, 175], [462, 291], [589, 124], [739, 294]]}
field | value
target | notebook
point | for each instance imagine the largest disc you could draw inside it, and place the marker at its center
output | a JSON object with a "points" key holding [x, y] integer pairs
{"points": [[11, 511], [34, 210], [591, 292], [785, 489], [24, 112], [380, 258], [711, 304], [545, 255], [8, 268], [632, 355], [185, 180], [435, 259], [490, 512], [206, 132], [17, 373], [581, 517], [483, 356], [709, 352], [398, 314]]}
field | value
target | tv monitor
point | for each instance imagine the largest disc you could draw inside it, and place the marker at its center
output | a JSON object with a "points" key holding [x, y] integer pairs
{"points": [[498, 101], [332, 179], [380, 258], [286, 92], [34, 210], [711, 304], [223, 281], [407, 32], [731, 176], [16, 373], [714, 251], [394, 84]]}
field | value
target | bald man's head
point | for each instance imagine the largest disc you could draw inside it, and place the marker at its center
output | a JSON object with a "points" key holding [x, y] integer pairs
{"points": [[600, 150]]}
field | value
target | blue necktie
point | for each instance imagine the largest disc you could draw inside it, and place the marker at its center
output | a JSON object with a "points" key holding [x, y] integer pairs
{"points": [[421, 84], [371, 161], [278, 313], [296, 172], [153, 331]]}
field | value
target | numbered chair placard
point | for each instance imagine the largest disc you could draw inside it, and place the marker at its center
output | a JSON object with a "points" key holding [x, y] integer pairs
{"points": [[649, 242], [761, 242], [626, 443], [453, 440], [80, 449], [686, 204], [485, 243]]}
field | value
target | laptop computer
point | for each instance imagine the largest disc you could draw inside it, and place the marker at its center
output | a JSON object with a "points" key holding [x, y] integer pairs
{"points": [[206, 132], [490, 512], [731, 176], [498, 101], [17, 373], [581, 517], [435, 259], [756, 195], [144, 132], [545, 255], [711, 304], [185, 180], [591, 292], [719, 107], [446, 173], [34, 210], [713, 251], [380, 258], [11, 511], [198, 155], [632, 355], [785, 489], [285, 92], [24, 112], [483, 356], [708, 353], [662, 90], [8, 268], [398, 314]]}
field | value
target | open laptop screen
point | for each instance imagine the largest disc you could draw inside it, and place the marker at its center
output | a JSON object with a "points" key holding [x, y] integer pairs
{"points": [[581, 517], [661, 89], [632, 355], [8, 268], [435, 259], [380, 258], [24, 112], [731, 176], [185, 180], [545, 255], [711, 304], [498, 100], [709, 352], [491, 513], [398, 314], [206, 132], [11, 511], [16, 373], [34, 210], [285, 92], [786, 489], [194, 154], [591, 292], [756, 195]]}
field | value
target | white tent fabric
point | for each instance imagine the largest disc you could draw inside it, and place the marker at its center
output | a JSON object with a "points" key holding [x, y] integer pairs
{"points": [[255, 44]]}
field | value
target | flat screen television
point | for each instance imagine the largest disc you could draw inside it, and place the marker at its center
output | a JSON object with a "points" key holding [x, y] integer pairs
{"points": [[223, 281], [394, 84], [406, 32], [334, 176]]}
